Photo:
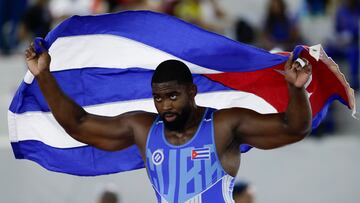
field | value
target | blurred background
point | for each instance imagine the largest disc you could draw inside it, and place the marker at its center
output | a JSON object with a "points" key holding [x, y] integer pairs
{"points": [[322, 168]]}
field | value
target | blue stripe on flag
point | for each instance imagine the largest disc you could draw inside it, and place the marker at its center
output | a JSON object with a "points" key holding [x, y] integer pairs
{"points": [[84, 161], [322, 113], [201, 149]]}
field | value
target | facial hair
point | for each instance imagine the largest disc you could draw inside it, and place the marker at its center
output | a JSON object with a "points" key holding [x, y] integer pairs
{"points": [[179, 122]]}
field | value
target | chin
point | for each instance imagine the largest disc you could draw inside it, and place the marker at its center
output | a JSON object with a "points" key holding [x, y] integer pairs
{"points": [[174, 125], [179, 122]]}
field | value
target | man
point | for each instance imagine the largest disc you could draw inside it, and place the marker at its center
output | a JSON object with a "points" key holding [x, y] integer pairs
{"points": [[191, 152]]}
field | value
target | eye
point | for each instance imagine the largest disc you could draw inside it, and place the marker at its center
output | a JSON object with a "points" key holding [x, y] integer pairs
{"points": [[173, 97], [157, 99]]}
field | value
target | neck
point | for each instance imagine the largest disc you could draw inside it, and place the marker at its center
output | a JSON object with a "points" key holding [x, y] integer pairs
{"points": [[195, 116]]}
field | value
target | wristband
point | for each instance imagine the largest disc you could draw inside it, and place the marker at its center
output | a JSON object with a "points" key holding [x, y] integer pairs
{"points": [[301, 62]]}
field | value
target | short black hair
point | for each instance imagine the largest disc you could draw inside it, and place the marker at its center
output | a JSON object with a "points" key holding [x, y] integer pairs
{"points": [[240, 187], [172, 70], [109, 196]]}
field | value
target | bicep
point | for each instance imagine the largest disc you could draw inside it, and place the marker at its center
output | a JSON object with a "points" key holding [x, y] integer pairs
{"points": [[264, 131], [108, 133]]}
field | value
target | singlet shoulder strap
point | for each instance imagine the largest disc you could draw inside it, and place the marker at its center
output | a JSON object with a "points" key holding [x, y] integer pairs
{"points": [[209, 113]]}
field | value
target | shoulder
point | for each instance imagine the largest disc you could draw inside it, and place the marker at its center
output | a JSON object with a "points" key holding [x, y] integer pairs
{"points": [[231, 113], [233, 117], [139, 118], [140, 123], [226, 123]]}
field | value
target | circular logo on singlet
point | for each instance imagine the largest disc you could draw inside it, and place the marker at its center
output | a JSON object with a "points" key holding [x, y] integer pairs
{"points": [[158, 157]]}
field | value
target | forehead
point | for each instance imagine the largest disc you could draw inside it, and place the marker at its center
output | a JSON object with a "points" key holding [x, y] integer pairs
{"points": [[164, 87]]}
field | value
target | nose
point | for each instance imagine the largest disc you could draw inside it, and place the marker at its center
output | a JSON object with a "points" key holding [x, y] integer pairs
{"points": [[167, 105]]}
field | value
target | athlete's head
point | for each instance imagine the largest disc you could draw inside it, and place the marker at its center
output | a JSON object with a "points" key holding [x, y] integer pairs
{"points": [[243, 193], [108, 197], [174, 93]]}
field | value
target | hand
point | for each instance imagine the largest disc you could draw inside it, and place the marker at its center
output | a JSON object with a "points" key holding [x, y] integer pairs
{"points": [[37, 63], [295, 74]]}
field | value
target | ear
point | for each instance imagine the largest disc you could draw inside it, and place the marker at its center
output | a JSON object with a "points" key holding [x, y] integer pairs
{"points": [[192, 90]]}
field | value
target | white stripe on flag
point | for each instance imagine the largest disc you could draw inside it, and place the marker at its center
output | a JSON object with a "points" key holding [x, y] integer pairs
{"points": [[202, 156], [47, 130], [202, 151], [109, 51]]}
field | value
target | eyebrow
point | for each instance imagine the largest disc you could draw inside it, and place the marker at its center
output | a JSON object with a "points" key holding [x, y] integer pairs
{"points": [[168, 93], [173, 92]]}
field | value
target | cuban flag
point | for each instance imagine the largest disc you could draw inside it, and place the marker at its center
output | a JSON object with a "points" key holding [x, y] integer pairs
{"points": [[105, 64], [200, 153]]}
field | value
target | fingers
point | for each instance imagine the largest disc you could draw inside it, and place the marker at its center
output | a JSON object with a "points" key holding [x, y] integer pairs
{"points": [[35, 49], [289, 62], [301, 64], [298, 65], [30, 52], [308, 68]]}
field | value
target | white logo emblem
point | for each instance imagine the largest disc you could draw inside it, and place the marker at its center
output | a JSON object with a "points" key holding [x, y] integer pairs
{"points": [[158, 157]]}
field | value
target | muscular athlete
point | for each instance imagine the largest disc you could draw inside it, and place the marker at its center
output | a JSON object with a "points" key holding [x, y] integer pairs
{"points": [[191, 152]]}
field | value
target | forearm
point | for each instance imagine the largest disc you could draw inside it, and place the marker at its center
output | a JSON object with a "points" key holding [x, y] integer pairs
{"points": [[298, 114], [65, 110]]}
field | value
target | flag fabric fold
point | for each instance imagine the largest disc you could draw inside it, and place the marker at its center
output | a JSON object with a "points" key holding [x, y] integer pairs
{"points": [[105, 64]]}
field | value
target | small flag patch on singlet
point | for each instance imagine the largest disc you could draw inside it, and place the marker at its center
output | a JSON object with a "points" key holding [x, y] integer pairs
{"points": [[200, 153]]}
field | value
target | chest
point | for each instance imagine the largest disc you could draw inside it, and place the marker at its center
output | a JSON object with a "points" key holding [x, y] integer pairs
{"points": [[178, 139]]}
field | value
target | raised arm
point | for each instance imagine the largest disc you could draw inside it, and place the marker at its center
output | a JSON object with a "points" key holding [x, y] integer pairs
{"points": [[267, 131], [108, 133]]}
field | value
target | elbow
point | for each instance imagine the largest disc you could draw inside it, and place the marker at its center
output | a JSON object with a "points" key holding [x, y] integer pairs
{"points": [[72, 131], [306, 129], [301, 133], [299, 129], [72, 126], [80, 136]]}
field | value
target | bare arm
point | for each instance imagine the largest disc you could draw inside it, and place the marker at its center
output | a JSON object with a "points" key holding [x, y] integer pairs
{"points": [[108, 133], [267, 131]]}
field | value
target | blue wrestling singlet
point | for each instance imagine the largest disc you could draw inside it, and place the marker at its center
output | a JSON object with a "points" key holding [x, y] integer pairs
{"points": [[189, 173]]}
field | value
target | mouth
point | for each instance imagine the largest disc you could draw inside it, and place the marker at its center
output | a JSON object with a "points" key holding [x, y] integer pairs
{"points": [[170, 117]]}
